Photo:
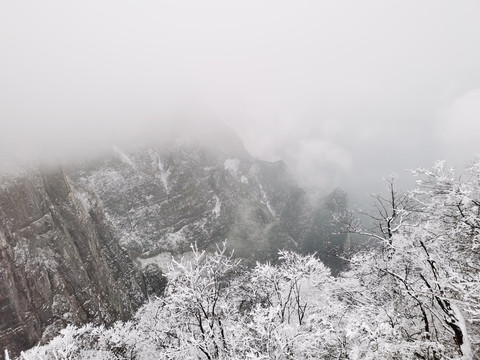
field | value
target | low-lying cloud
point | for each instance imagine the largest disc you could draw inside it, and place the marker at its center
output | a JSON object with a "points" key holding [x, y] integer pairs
{"points": [[345, 92], [459, 127]]}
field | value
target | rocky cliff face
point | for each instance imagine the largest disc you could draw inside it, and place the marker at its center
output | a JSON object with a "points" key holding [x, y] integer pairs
{"points": [[70, 238], [59, 260], [162, 198]]}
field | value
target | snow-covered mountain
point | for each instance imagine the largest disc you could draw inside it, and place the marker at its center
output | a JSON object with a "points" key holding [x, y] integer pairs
{"points": [[161, 198], [60, 262], [70, 237]]}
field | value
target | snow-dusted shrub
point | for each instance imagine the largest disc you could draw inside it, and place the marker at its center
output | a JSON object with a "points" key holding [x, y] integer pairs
{"points": [[415, 295]]}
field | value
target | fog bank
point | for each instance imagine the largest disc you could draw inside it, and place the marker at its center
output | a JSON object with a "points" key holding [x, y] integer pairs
{"points": [[345, 92]]}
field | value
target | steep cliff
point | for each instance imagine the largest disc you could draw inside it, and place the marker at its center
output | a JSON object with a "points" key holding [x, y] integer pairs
{"points": [[161, 198], [59, 260], [70, 238]]}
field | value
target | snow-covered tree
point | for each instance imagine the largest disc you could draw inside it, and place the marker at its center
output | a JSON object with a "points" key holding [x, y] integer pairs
{"points": [[213, 309], [450, 239], [414, 294], [424, 269]]}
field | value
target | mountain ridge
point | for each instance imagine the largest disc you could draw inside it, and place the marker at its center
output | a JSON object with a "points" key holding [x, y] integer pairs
{"points": [[108, 225]]}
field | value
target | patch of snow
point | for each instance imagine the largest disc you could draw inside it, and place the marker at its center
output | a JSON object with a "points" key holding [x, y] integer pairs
{"points": [[123, 157], [466, 346], [162, 260], [244, 179], [100, 180], [84, 200], [293, 241], [128, 239], [232, 165], [3, 240], [265, 200], [164, 174], [175, 240], [216, 209]]}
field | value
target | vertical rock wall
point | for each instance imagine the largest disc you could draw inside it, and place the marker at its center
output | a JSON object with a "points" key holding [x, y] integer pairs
{"points": [[59, 261]]}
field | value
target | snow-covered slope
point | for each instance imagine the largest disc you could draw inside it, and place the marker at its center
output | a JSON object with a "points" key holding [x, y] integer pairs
{"points": [[64, 231], [162, 198], [60, 262]]}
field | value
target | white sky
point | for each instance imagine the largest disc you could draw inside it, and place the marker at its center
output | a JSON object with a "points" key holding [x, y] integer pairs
{"points": [[346, 92]]}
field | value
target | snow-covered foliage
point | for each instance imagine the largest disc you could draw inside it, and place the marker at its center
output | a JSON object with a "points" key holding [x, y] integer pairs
{"points": [[214, 309], [414, 295], [424, 274]]}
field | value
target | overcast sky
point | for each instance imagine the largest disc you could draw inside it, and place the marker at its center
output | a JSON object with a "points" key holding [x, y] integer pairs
{"points": [[346, 92]]}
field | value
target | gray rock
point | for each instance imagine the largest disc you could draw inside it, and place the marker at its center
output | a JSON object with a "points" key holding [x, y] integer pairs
{"points": [[70, 237], [162, 198], [59, 261]]}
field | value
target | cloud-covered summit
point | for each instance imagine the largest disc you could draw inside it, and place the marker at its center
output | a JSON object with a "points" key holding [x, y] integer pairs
{"points": [[345, 92]]}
